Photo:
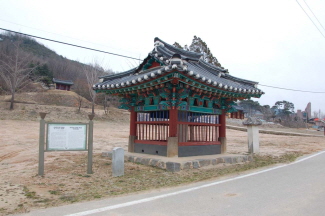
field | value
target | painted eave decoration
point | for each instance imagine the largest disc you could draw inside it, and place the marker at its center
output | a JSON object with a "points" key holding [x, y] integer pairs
{"points": [[167, 66]]}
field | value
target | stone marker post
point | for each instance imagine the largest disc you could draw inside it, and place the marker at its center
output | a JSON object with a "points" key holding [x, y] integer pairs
{"points": [[252, 133], [41, 144], [118, 161], [90, 144]]}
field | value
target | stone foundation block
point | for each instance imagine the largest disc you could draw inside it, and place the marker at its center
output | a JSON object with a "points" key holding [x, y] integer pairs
{"points": [[187, 165], [220, 160], [153, 162], [161, 165], [204, 162], [173, 167], [145, 161], [196, 165]]}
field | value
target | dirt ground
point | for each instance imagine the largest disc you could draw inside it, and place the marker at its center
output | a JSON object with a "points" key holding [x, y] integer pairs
{"points": [[19, 157], [65, 172]]}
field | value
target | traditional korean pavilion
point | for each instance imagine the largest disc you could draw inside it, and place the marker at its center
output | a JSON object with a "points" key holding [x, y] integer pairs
{"points": [[238, 114], [62, 84], [177, 102]]}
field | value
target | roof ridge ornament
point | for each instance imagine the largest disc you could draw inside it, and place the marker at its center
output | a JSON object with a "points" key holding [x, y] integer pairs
{"points": [[176, 60], [158, 43]]}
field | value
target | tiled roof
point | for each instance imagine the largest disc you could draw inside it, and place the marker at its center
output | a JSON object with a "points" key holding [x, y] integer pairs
{"points": [[186, 62], [65, 82], [238, 108], [169, 50]]}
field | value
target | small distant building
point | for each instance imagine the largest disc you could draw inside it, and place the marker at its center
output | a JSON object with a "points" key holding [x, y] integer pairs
{"points": [[238, 113], [299, 114], [318, 122], [62, 84], [306, 114]]}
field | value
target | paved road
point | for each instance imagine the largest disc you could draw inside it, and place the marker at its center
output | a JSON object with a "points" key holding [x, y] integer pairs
{"points": [[291, 189]]}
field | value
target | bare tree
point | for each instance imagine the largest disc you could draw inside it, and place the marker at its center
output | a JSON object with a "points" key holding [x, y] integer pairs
{"points": [[15, 67], [322, 115], [80, 87], [103, 99], [93, 72], [315, 114]]}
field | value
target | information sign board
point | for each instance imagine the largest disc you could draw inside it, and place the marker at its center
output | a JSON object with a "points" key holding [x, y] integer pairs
{"points": [[66, 137]]}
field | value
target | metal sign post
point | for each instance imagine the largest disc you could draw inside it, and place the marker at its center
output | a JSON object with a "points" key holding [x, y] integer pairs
{"points": [[41, 145], [90, 144]]}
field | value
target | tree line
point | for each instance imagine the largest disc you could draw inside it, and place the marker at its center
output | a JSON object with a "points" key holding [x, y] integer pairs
{"points": [[281, 112], [24, 61]]}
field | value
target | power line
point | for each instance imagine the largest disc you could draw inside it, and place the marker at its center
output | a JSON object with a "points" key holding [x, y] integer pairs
{"points": [[59, 34], [132, 57], [314, 15], [310, 19], [292, 89], [71, 44]]}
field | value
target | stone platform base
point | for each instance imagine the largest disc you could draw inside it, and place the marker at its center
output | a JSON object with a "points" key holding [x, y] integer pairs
{"points": [[176, 164]]}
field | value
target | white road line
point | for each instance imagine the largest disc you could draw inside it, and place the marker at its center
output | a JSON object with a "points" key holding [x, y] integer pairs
{"points": [[107, 208]]}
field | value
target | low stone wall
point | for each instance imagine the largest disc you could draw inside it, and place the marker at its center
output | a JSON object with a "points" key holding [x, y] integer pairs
{"points": [[172, 165], [273, 132]]}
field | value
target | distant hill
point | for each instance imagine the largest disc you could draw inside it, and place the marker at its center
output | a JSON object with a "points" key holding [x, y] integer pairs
{"points": [[31, 45], [55, 65], [48, 63]]}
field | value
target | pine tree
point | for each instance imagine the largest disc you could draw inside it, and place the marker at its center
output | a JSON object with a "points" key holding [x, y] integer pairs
{"points": [[199, 46], [177, 45]]}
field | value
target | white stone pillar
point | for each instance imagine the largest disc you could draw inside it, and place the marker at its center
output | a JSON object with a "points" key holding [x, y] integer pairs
{"points": [[253, 139], [118, 162], [253, 134]]}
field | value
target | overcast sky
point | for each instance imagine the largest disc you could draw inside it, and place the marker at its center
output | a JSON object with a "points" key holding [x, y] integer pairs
{"points": [[272, 42]]}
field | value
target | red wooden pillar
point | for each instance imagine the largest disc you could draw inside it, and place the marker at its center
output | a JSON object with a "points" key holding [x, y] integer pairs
{"points": [[222, 131], [133, 130], [172, 140], [222, 121], [133, 119], [173, 122]]}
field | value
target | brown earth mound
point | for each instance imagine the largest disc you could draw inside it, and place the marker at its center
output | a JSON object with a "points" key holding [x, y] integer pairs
{"points": [[50, 97], [60, 106]]}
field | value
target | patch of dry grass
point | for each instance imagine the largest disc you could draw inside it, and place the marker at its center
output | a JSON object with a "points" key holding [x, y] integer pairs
{"points": [[66, 182]]}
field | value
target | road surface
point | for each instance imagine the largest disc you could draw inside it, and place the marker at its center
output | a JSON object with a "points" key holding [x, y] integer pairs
{"points": [[290, 189]]}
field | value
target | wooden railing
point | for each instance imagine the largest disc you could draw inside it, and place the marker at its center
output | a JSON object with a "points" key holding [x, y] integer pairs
{"points": [[192, 128]]}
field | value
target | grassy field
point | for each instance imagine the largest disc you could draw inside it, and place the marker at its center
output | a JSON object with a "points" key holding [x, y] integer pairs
{"points": [[66, 182]]}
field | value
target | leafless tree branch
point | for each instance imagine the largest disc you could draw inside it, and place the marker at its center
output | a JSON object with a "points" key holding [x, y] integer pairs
{"points": [[14, 67]]}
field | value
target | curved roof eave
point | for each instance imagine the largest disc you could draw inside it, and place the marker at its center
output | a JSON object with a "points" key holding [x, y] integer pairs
{"points": [[117, 75], [189, 63], [183, 53]]}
